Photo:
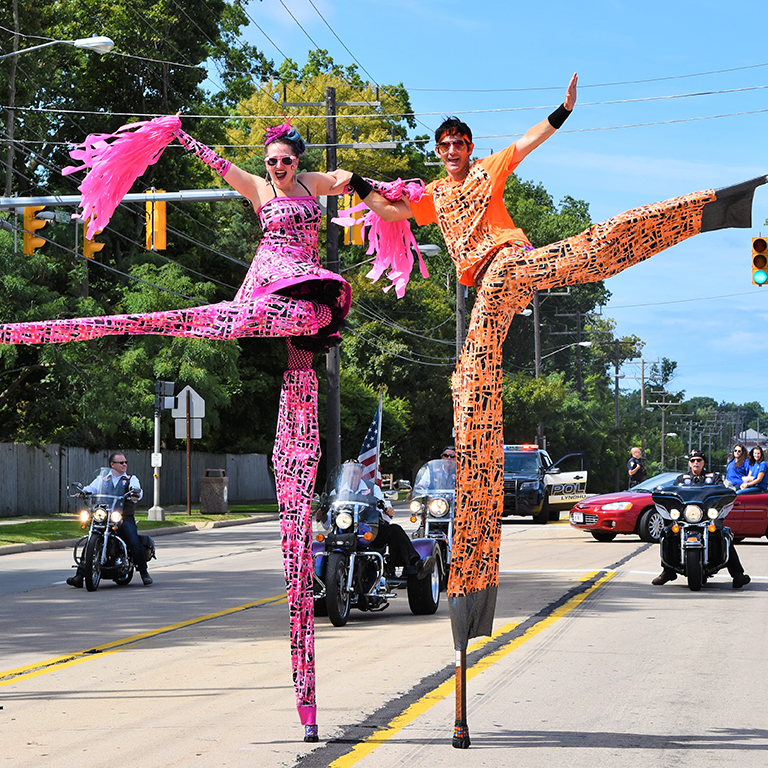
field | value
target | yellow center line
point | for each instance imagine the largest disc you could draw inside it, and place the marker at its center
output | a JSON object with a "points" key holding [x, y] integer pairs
{"points": [[60, 662], [418, 708]]}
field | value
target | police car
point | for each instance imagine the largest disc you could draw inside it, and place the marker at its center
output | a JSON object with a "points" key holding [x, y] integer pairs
{"points": [[535, 485]]}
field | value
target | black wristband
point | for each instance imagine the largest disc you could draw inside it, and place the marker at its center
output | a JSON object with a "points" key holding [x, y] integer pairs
{"points": [[361, 186], [559, 116]]}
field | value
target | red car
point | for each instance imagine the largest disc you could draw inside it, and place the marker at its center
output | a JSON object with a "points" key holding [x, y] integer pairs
{"points": [[632, 511]]}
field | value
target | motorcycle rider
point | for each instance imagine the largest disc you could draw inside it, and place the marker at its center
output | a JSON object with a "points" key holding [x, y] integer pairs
{"points": [[118, 483], [442, 477], [697, 475], [390, 534]]}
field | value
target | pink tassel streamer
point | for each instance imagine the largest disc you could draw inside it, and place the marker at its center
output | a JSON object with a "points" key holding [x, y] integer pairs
{"points": [[114, 162], [391, 242]]}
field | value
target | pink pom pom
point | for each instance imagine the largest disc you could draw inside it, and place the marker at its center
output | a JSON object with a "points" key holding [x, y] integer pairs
{"points": [[115, 165], [390, 241]]}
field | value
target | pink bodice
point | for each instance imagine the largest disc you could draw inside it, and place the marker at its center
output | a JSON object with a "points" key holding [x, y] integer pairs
{"points": [[287, 252]]}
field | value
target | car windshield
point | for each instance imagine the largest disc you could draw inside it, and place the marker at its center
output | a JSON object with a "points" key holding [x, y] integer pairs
{"points": [[524, 463], [664, 479]]}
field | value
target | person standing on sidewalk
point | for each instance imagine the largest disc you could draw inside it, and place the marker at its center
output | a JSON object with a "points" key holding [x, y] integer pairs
{"points": [[636, 468]]}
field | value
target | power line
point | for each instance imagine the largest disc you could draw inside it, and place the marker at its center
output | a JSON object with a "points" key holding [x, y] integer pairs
{"points": [[589, 85], [499, 110], [114, 270]]}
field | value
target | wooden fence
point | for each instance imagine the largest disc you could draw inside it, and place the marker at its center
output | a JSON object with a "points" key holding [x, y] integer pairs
{"points": [[35, 481]]}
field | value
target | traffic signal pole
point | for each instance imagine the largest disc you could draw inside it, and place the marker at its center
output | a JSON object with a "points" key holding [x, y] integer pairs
{"points": [[333, 360]]}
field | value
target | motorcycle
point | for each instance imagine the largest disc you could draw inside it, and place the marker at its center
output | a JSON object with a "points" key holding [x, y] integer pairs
{"points": [[695, 542], [349, 571], [432, 505], [102, 552]]}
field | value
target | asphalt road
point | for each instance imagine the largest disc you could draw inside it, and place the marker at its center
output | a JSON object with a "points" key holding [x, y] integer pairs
{"points": [[589, 666]]}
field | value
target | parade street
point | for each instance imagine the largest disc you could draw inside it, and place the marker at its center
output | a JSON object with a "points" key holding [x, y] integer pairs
{"points": [[590, 664]]}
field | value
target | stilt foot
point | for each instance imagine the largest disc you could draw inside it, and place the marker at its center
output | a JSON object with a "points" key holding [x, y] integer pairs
{"points": [[310, 733], [460, 735]]}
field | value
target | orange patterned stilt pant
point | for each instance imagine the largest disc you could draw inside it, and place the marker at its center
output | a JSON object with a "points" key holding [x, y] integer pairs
{"points": [[506, 288]]}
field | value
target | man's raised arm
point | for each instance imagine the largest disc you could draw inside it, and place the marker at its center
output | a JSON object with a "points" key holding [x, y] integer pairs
{"points": [[543, 130]]}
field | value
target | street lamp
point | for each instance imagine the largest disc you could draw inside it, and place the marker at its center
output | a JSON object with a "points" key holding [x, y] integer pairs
{"points": [[567, 346], [99, 44]]}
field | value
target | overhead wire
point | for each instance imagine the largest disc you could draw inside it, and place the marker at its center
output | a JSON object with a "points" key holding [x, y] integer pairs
{"points": [[490, 111], [114, 270]]}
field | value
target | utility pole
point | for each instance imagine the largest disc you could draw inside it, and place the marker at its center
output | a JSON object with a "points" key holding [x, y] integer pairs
{"points": [[642, 406], [332, 360], [537, 358], [616, 377], [663, 404], [10, 123]]}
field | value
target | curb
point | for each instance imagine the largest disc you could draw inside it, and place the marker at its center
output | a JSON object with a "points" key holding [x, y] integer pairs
{"points": [[35, 546]]}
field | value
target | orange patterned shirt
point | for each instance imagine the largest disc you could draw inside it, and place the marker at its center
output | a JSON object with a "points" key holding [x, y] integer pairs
{"points": [[471, 213]]}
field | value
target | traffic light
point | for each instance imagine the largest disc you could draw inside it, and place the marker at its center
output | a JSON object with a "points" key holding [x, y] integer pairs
{"points": [[354, 235], [90, 247], [155, 224], [759, 261], [164, 395], [31, 225]]}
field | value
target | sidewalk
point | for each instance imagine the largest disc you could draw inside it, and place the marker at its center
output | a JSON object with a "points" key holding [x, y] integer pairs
{"points": [[12, 549]]}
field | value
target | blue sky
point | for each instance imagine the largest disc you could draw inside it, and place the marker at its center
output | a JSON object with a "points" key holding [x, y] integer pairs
{"points": [[695, 303]]}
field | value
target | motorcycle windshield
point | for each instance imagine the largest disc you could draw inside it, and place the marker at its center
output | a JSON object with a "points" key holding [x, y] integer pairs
{"points": [[705, 496], [436, 476], [104, 494], [346, 491]]}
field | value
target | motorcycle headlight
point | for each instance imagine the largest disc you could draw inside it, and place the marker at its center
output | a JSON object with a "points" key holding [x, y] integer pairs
{"points": [[712, 513], [85, 516], [532, 486], [343, 520], [692, 513], [415, 507], [116, 517], [438, 507], [674, 514], [100, 515]]}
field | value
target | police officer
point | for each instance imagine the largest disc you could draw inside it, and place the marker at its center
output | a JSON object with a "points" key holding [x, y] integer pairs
{"points": [[636, 468], [697, 475]]}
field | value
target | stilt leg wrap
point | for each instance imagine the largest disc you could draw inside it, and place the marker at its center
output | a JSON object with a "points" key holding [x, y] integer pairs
{"points": [[298, 359], [296, 454], [460, 735], [267, 315]]}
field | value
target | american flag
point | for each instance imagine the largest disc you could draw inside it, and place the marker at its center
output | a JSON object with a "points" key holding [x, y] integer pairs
{"points": [[369, 452]]}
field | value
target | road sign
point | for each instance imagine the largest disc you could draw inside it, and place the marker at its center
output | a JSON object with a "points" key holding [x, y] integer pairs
{"points": [[195, 429], [196, 405]]}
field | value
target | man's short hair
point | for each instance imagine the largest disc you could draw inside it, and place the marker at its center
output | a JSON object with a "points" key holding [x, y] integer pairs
{"points": [[113, 455], [452, 126]]}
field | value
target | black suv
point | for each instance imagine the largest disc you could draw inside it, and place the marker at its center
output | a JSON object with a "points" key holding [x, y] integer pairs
{"points": [[530, 477]]}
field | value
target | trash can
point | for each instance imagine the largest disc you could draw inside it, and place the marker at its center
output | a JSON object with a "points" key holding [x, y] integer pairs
{"points": [[213, 492]]}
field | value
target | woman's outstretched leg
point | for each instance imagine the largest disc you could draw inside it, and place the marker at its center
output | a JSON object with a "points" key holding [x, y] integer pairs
{"points": [[295, 457], [268, 315]]}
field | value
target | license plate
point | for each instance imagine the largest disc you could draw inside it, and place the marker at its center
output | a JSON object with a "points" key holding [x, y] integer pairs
{"points": [[577, 517]]}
